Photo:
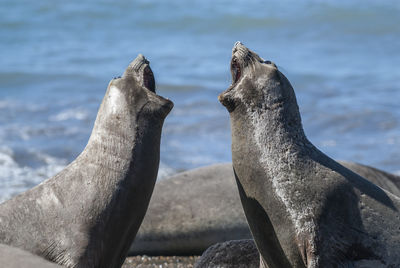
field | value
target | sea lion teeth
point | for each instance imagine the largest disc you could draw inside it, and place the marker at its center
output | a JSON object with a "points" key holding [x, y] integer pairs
{"points": [[235, 69], [304, 209], [88, 214]]}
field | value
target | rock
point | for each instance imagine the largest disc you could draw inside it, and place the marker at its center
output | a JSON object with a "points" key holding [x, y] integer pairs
{"points": [[385, 180], [191, 211], [11, 257], [230, 254], [244, 253]]}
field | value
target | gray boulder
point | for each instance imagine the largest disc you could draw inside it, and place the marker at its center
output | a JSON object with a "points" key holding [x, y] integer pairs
{"points": [[240, 253], [191, 211], [385, 180], [11, 257], [230, 254], [195, 209]]}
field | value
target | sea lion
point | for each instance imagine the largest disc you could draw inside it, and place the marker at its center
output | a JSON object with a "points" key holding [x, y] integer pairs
{"points": [[212, 212], [304, 209], [88, 214]]}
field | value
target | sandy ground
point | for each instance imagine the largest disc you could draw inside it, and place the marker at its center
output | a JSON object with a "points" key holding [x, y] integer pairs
{"points": [[160, 261]]}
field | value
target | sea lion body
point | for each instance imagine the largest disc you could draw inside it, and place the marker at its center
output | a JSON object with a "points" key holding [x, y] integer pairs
{"points": [[303, 208], [88, 214]]}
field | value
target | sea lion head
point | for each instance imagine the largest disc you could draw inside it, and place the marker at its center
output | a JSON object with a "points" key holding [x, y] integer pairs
{"points": [[131, 100], [135, 91], [256, 83]]}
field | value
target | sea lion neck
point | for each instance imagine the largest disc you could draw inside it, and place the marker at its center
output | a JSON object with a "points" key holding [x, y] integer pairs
{"points": [[277, 141], [122, 117], [262, 103], [275, 123], [114, 126], [129, 106]]}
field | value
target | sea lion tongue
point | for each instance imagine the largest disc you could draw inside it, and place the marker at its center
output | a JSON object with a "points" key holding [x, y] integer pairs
{"points": [[140, 69]]}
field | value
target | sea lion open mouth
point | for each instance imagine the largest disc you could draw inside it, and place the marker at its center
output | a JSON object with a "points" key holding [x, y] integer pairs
{"points": [[148, 79], [139, 83], [235, 70], [140, 68]]}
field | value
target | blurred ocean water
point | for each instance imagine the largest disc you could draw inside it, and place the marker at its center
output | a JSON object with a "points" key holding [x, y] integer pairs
{"points": [[57, 58]]}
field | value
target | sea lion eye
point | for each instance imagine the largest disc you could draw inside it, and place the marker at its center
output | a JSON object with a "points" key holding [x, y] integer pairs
{"points": [[235, 70], [267, 62]]}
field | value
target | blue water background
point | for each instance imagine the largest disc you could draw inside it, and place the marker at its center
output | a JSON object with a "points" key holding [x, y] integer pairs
{"points": [[57, 58]]}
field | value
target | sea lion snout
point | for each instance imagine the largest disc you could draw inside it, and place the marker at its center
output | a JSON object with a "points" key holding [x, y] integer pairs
{"points": [[227, 100], [136, 65], [160, 105], [140, 70], [238, 46]]}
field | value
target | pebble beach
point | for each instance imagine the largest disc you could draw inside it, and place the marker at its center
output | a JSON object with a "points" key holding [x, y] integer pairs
{"points": [[160, 262]]}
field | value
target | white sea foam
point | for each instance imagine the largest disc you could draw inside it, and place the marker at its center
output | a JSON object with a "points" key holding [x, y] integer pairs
{"points": [[77, 114], [164, 171], [15, 178], [328, 143]]}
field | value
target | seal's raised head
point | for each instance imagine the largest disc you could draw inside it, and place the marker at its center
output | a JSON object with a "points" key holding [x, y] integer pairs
{"points": [[136, 91], [256, 83]]}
